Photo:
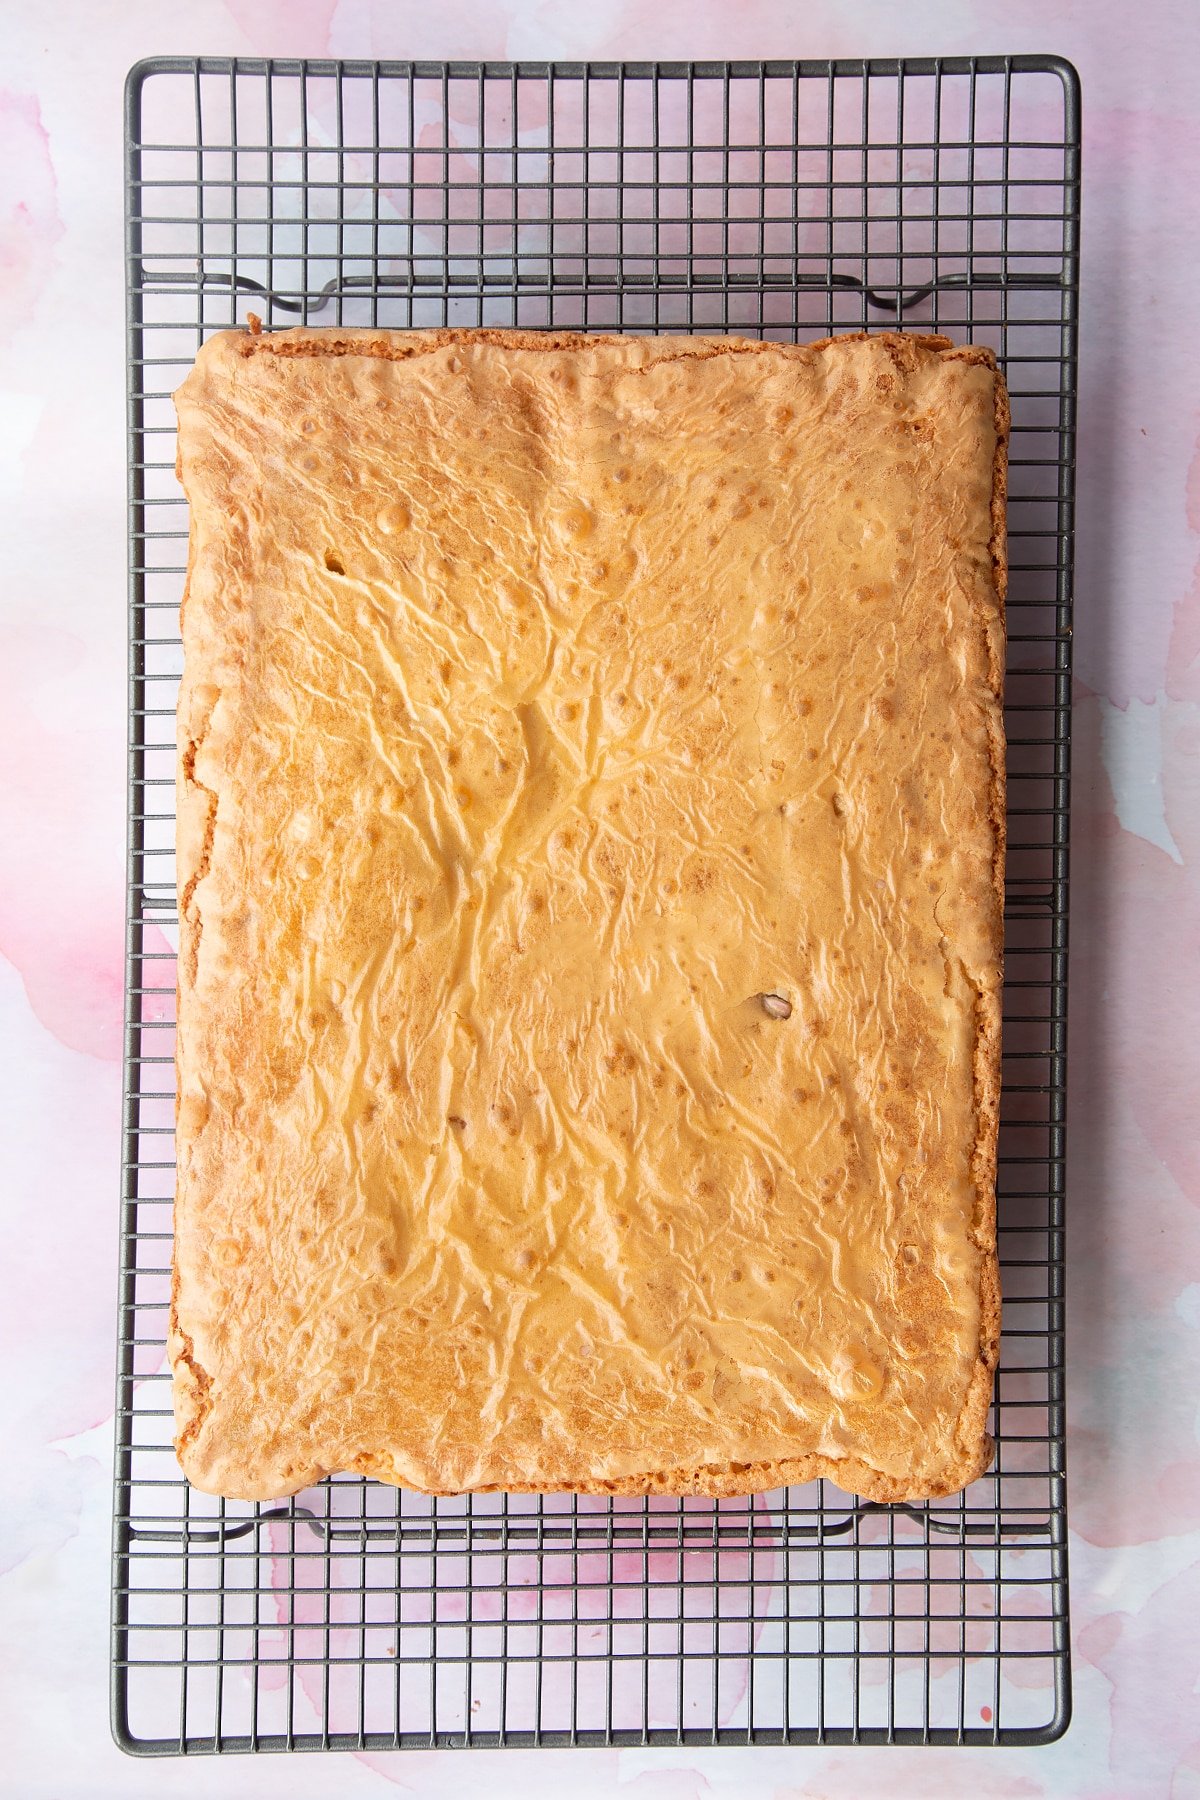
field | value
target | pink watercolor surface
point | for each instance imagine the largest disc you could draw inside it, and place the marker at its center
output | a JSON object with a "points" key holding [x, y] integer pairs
{"points": [[1134, 1260]]}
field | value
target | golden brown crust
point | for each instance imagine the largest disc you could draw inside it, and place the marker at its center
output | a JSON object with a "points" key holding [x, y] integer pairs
{"points": [[389, 1225]]}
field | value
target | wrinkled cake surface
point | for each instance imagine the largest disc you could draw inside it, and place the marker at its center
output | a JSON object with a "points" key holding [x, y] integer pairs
{"points": [[590, 846]]}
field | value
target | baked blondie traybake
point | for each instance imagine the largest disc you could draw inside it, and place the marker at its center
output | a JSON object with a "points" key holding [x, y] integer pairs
{"points": [[590, 851]]}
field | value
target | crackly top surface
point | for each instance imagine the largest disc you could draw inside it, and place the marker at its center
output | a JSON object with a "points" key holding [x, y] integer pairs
{"points": [[549, 700]]}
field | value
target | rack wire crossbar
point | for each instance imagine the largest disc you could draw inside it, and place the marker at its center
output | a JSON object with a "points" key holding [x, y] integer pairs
{"points": [[786, 200]]}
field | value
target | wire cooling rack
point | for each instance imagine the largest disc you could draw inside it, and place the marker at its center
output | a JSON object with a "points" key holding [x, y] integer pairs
{"points": [[785, 200]]}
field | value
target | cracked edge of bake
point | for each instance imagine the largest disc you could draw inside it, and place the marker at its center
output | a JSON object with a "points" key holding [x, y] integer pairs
{"points": [[398, 345], [192, 1384], [971, 1435]]}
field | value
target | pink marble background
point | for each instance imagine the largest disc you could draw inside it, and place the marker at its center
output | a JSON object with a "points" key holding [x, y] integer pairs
{"points": [[1134, 1262]]}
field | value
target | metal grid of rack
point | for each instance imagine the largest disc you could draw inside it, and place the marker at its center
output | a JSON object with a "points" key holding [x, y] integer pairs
{"points": [[786, 200]]}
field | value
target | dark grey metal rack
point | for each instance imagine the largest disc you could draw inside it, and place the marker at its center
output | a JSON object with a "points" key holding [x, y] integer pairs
{"points": [[779, 199]]}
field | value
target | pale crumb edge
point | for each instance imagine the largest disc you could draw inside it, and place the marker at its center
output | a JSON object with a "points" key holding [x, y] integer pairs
{"points": [[404, 345], [711, 1481]]}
